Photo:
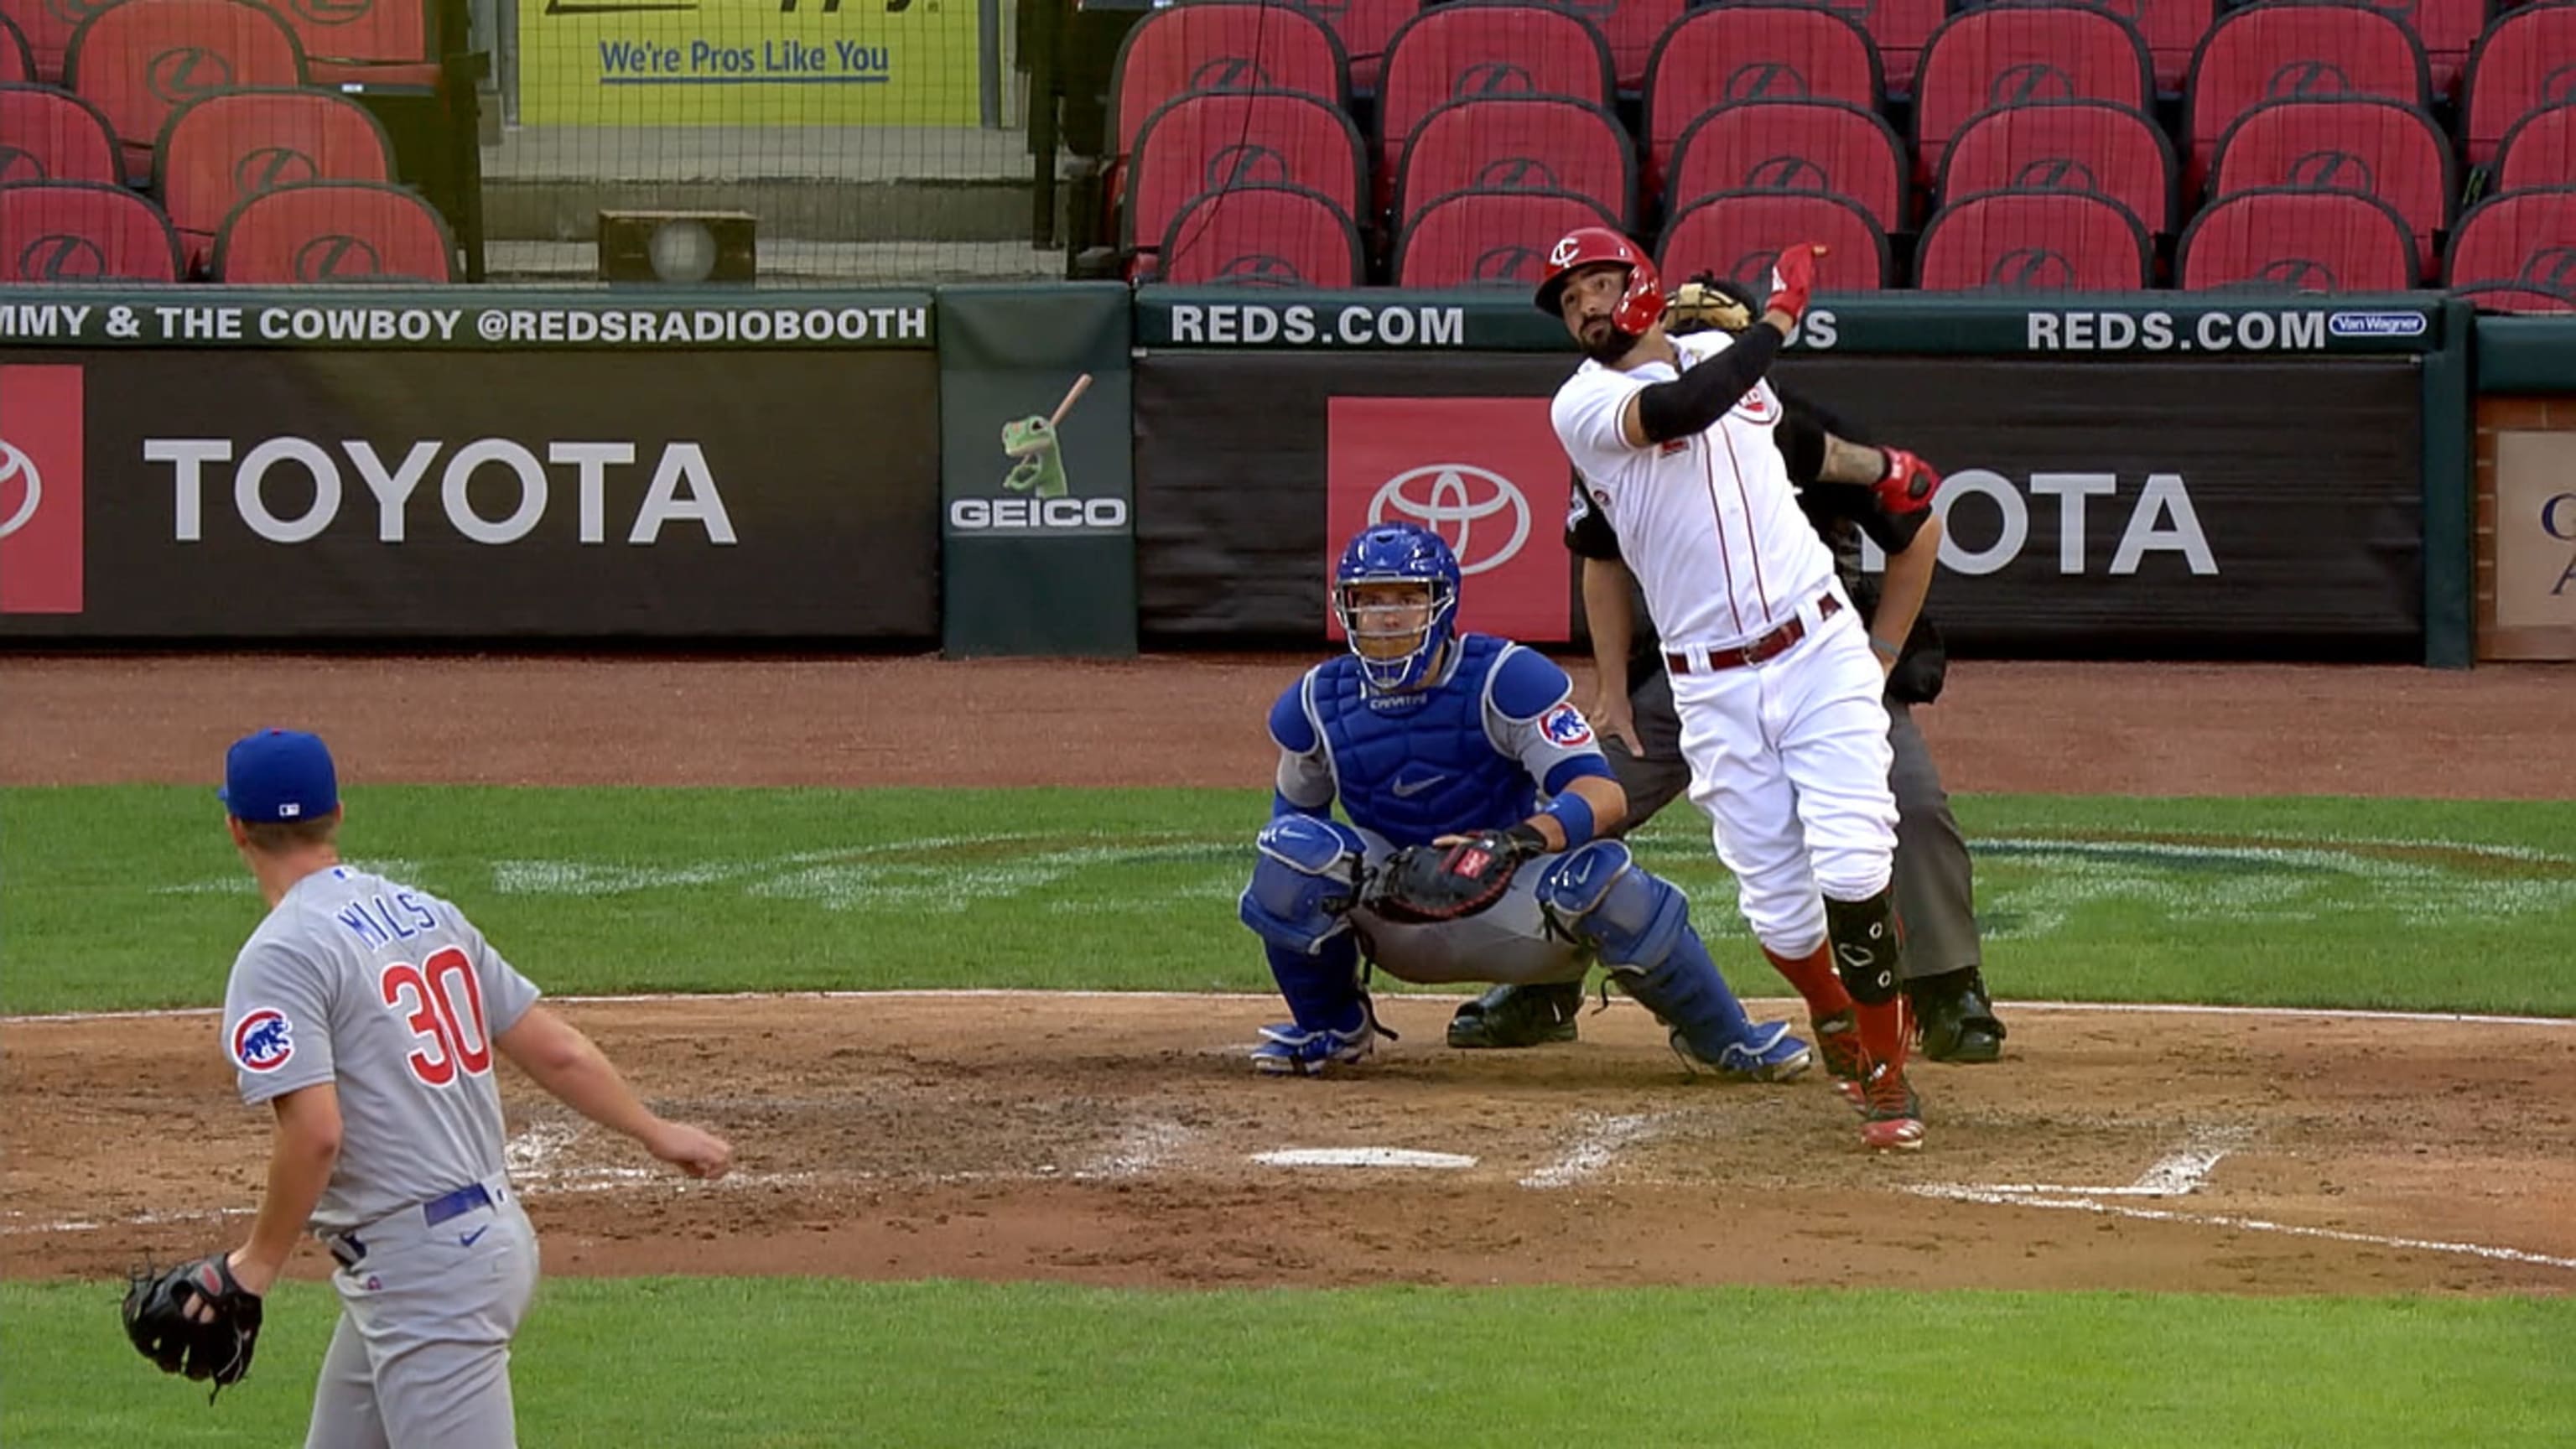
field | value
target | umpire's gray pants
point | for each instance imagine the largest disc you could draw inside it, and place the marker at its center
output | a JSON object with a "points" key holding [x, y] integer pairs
{"points": [[421, 1359], [1935, 883]]}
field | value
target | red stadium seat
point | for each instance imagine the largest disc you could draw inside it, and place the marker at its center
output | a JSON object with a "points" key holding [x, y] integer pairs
{"points": [[374, 43], [1751, 52], [2287, 239], [2377, 148], [1262, 236], [2013, 54], [2447, 29], [2540, 150], [1364, 27], [2171, 29], [1208, 141], [17, 61], [1738, 235], [1515, 143], [1899, 29], [139, 60], [1796, 146], [1632, 28], [329, 232], [83, 231], [1221, 45], [2032, 241], [50, 135], [2521, 241], [2088, 146], [1471, 48], [1489, 238], [2526, 60], [2293, 50], [47, 27], [217, 151]]}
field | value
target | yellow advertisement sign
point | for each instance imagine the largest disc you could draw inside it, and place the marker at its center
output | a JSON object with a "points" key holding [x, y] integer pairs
{"points": [[748, 63]]}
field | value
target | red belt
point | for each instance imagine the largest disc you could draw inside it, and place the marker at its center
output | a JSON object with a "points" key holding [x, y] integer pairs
{"points": [[1770, 646]]}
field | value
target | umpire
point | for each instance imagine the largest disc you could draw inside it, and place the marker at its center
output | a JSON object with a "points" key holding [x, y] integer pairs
{"points": [[1935, 883]]}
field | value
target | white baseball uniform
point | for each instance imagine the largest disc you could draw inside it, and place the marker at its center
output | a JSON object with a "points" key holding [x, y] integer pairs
{"points": [[1789, 755], [391, 995]]}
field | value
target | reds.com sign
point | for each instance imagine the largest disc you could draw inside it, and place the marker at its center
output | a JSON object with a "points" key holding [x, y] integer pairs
{"points": [[1486, 474]]}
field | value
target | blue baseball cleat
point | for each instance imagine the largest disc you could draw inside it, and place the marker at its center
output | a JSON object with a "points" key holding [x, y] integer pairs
{"points": [[1288, 1049], [1768, 1054]]}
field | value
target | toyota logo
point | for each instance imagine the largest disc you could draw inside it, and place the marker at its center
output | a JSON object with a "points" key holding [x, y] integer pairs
{"points": [[1450, 499], [16, 466], [337, 255]]}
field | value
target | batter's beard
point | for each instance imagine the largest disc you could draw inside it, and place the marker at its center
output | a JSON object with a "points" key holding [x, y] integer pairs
{"points": [[1612, 345]]}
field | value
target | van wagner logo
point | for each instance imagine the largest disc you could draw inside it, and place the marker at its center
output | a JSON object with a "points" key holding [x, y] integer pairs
{"points": [[41, 517]]}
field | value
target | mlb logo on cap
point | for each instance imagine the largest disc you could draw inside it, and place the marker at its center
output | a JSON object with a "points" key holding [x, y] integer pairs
{"points": [[279, 775]]}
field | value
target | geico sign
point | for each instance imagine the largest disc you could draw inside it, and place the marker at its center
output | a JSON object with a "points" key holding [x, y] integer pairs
{"points": [[983, 514], [683, 488], [2160, 519]]}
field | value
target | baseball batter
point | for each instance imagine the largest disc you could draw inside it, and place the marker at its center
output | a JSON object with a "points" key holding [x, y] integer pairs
{"points": [[1837, 472], [367, 1014], [1459, 759], [1773, 676]]}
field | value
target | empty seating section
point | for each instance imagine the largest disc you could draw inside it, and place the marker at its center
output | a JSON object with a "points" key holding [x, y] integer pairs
{"points": [[1630, 28], [1794, 146], [139, 60], [2033, 241], [1900, 29], [2293, 240], [1489, 238], [333, 232], [2013, 54], [220, 150], [83, 231], [1199, 143], [46, 26], [2540, 150], [1519, 144], [2086, 146], [2291, 50], [1739, 234], [1271, 236], [2517, 247], [1750, 52], [46, 135], [2525, 61], [377, 43], [1469, 49], [2172, 30], [1211, 45], [2377, 148], [1364, 27]]}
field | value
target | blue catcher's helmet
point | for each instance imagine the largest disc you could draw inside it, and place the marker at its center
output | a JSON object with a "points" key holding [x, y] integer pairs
{"points": [[1397, 553]]}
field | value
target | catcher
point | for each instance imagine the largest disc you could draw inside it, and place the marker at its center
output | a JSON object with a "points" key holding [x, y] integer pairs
{"points": [[368, 1015], [1440, 747]]}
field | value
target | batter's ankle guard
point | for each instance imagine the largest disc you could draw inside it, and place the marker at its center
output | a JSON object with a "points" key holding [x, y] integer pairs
{"points": [[1869, 946]]}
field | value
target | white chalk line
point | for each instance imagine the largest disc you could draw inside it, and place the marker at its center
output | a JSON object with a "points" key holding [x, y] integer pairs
{"points": [[1594, 1149], [2177, 1174], [1010, 993]]}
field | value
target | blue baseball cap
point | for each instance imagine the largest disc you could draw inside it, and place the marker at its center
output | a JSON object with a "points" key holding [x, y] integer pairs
{"points": [[279, 775]]}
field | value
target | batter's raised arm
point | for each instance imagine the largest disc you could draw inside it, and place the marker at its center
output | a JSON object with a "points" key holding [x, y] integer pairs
{"points": [[1690, 403]]}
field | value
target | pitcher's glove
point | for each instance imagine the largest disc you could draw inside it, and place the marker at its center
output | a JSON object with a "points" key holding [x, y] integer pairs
{"points": [[1427, 884], [164, 1330]]}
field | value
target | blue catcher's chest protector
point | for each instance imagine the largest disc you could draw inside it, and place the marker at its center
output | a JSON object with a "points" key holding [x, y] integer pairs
{"points": [[1415, 766]]}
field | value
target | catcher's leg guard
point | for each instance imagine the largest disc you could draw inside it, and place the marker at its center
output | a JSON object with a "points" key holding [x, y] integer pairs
{"points": [[1639, 926], [1303, 883]]}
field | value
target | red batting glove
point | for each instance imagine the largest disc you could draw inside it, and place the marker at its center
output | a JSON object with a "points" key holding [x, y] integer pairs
{"points": [[1908, 484], [1793, 277]]}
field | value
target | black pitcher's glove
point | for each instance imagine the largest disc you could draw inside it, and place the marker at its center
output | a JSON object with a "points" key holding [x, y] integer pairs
{"points": [[1425, 884], [159, 1319]]}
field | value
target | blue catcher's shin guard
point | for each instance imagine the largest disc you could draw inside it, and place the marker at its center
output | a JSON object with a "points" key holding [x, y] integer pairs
{"points": [[1297, 902], [1639, 926]]}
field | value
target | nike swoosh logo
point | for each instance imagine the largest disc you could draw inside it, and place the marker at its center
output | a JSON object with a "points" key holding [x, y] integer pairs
{"points": [[1407, 789], [468, 1238]]}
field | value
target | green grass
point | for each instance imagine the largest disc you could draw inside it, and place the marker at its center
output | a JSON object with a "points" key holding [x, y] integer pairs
{"points": [[123, 897], [793, 1362]]}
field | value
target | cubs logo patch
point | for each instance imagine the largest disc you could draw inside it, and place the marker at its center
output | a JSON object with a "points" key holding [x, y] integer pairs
{"points": [[263, 1041], [1565, 727]]}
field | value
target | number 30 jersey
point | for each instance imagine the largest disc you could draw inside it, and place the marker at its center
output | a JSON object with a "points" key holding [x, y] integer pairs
{"points": [[392, 995]]}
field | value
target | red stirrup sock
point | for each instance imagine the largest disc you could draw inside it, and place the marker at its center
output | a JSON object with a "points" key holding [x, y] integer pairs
{"points": [[1883, 1031], [1815, 979]]}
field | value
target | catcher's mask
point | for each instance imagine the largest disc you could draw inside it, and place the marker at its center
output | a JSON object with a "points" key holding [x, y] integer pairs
{"points": [[1395, 594], [1641, 301]]}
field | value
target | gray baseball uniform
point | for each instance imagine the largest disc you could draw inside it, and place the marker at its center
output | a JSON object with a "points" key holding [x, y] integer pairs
{"points": [[391, 995]]}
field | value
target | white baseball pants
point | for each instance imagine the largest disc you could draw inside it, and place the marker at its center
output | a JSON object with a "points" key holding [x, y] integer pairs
{"points": [[1790, 758]]}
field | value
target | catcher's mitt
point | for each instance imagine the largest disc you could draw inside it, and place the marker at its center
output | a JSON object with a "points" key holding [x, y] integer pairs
{"points": [[1426, 884], [158, 1319], [1702, 303]]}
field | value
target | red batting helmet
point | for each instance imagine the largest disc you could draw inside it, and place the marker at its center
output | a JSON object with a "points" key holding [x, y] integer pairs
{"points": [[1639, 307]]}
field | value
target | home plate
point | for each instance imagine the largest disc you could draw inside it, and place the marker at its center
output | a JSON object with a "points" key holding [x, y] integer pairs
{"points": [[1362, 1157]]}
